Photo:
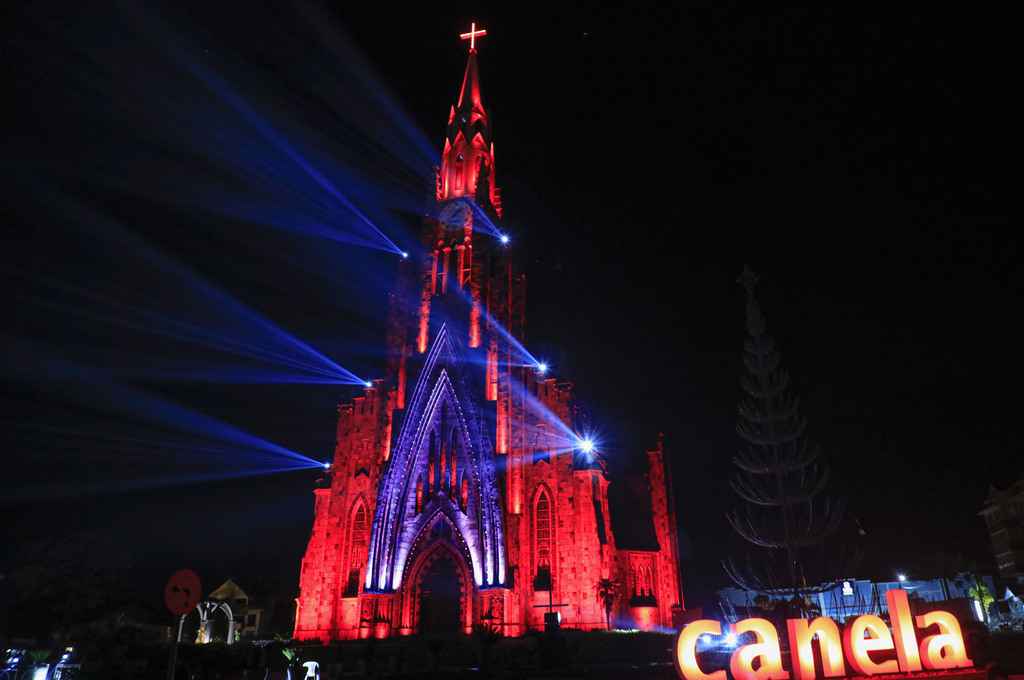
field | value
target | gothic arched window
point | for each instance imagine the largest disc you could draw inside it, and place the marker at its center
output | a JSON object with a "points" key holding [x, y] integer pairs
{"points": [[543, 537], [359, 534]]}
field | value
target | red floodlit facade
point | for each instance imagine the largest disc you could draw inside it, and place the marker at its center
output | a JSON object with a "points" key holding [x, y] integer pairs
{"points": [[457, 496]]}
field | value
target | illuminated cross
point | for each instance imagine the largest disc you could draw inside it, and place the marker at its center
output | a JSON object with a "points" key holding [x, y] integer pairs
{"points": [[471, 36], [550, 605], [551, 622]]}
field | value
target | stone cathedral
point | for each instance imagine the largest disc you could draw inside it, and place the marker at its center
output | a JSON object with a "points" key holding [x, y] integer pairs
{"points": [[459, 494]]}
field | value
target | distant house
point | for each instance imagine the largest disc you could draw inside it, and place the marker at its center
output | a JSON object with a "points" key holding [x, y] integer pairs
{"points": [[229, 614], [247, 614], [1004, 515]]}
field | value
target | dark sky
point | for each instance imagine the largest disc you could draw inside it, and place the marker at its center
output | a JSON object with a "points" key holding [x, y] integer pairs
{"points": [[860, 164]]}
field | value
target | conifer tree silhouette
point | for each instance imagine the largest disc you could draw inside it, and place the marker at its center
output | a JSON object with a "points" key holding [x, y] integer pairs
{"points": [[781, 476]]}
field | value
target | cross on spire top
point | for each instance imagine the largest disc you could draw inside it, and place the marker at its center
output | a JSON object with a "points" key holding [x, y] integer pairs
{"points": [[472, 35]]}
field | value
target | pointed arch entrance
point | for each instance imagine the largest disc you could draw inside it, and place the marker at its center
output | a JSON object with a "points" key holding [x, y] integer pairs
{"points": [[438, 594]]}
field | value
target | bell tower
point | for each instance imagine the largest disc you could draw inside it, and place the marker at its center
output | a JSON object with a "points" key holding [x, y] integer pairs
{"points": [[467, 160]]}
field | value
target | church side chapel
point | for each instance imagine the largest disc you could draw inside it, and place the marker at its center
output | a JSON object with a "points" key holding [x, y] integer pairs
{"points": [[462, 492]]}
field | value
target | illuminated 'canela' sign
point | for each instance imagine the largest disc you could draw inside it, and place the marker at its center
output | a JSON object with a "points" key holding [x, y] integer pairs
{"points": [[943, 649]]}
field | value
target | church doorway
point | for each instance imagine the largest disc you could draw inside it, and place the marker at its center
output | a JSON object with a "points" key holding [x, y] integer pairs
{"points": [[440, 596]]}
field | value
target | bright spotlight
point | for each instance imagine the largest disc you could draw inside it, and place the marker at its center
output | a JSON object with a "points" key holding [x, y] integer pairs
{"points": [[587, 445], [730, 639], [327, 466], [367, 384], [542, 367], [405, 255], [901, 577], [705, 638], [504, 239]]}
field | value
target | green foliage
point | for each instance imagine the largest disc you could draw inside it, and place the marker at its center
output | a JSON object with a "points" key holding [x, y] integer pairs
{"points": [[38, 656], [977, 590], [981, 593]]}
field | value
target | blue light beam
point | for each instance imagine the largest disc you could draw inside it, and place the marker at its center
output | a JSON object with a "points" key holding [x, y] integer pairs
{"points": [[219, 87], [275, 345], [95, 389]]}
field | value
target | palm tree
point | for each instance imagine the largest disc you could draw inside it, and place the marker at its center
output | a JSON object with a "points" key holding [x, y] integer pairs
{"points": [[607, 590]]}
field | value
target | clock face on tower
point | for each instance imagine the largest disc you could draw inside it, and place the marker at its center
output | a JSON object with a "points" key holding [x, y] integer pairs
{"points": [[454, 214]]}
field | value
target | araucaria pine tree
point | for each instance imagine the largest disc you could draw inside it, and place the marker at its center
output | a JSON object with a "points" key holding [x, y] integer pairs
{"points": [[780, 476]]}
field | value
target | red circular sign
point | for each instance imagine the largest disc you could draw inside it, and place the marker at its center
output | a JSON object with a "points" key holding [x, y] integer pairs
{"points": [[182, 592]]}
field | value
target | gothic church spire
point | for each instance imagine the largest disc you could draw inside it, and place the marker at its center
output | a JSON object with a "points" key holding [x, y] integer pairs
{"points": [[468, 148]]}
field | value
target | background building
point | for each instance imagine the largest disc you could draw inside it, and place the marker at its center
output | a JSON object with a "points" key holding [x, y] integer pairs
{"points": [[1004, 516]]}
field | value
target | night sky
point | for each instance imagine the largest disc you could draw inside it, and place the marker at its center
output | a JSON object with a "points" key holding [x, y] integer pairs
{"points": [[860, 164]]}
